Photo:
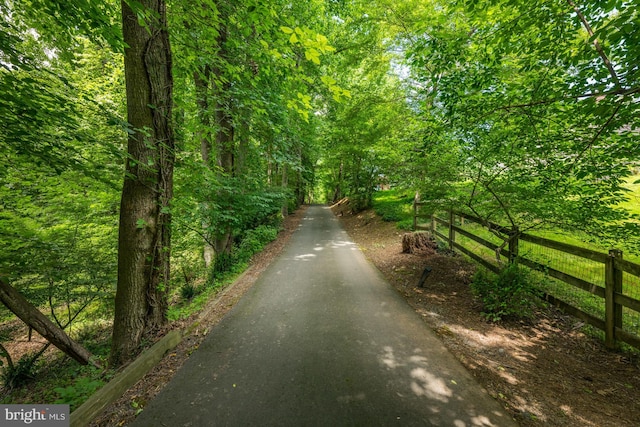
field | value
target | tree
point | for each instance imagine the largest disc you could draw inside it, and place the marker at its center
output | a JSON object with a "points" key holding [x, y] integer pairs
{"points": [[60, 161], [362, 133], [243, 92], [45, 327], [540, 100], [144, 240]]}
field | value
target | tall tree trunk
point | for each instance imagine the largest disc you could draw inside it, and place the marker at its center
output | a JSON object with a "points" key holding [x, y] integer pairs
{"points": [[300, 184], [337, 194], [224, 138], [201, 81], [144, 233], [269, 167], [243, 146], [285, 185]]}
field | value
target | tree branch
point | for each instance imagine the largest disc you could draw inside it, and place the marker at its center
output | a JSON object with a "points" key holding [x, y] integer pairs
{"points": [[596, 44], [616, 92], [596, 136], [198, 232]]}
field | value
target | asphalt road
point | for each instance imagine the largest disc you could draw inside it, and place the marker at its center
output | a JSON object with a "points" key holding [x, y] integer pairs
{"points": [[322, 340]]}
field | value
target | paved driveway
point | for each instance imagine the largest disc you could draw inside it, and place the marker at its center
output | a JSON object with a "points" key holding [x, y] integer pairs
{"points": [[322, 340]]}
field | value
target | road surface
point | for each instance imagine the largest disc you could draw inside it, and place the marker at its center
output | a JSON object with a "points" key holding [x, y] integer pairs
{"points": [[322, 339]]}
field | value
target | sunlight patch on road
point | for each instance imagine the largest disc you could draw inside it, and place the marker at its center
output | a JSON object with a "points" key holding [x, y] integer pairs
{"points": [[305, 257], [422, 382], [427, 384], [389, 360], [335, 244], [352, 398]]}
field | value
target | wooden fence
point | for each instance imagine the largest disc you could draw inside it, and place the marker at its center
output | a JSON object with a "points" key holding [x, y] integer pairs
{"points": [[614, 268]]}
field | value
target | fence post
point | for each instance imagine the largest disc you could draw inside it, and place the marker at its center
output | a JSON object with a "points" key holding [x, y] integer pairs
{"points": [[452, 233], [613, 311], [433, 225], [514, 238]]}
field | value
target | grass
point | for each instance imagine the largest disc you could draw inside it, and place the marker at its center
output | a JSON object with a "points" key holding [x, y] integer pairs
{"points": [[585, 269], [395, 205]]}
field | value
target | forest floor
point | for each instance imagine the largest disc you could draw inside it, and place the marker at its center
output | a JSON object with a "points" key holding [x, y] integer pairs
{"points": [[546, 371]]}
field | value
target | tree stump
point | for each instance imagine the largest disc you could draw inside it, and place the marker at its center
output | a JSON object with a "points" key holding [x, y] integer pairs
{"points": [[419, 242]]}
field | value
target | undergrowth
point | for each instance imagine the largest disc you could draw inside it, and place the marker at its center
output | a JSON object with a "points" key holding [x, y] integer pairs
{"points": [[508, 295], [225, 269], [56, 378], [59, 379]]}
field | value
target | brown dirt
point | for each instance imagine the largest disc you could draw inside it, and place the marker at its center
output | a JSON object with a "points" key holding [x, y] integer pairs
{"points": [[546, 371]]}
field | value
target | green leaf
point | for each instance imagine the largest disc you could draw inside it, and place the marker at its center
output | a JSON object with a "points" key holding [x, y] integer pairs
{"points": [[312, 55]]}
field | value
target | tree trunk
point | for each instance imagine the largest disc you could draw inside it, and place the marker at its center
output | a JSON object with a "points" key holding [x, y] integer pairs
{"points": [[201, 81], [269, 167], [224, 138], [337, 194], [144, 233], [418, 243], [300, 184], [241, 168], [30, 315], [224, 145], [285, 185]]}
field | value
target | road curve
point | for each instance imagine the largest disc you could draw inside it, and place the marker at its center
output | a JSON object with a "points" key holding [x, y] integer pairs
{"points": [[322, 340]]}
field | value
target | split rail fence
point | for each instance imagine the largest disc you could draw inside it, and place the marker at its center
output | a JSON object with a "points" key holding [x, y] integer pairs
{"points": [[601, 289]]}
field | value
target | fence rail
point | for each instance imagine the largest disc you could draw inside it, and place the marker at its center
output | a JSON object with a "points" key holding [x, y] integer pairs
{"points": [[616, 312]]}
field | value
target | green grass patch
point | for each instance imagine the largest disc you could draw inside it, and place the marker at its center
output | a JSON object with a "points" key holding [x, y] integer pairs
{"points": [[394, 206]]}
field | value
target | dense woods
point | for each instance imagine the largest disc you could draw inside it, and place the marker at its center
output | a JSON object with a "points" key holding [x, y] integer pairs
{"points": [[148, 143]]}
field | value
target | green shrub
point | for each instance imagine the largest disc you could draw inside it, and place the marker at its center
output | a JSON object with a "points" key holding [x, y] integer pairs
{"points": [[75, 394], [222, 264], [187, 291], [253, 241], [510, 294], [20, 373]]}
